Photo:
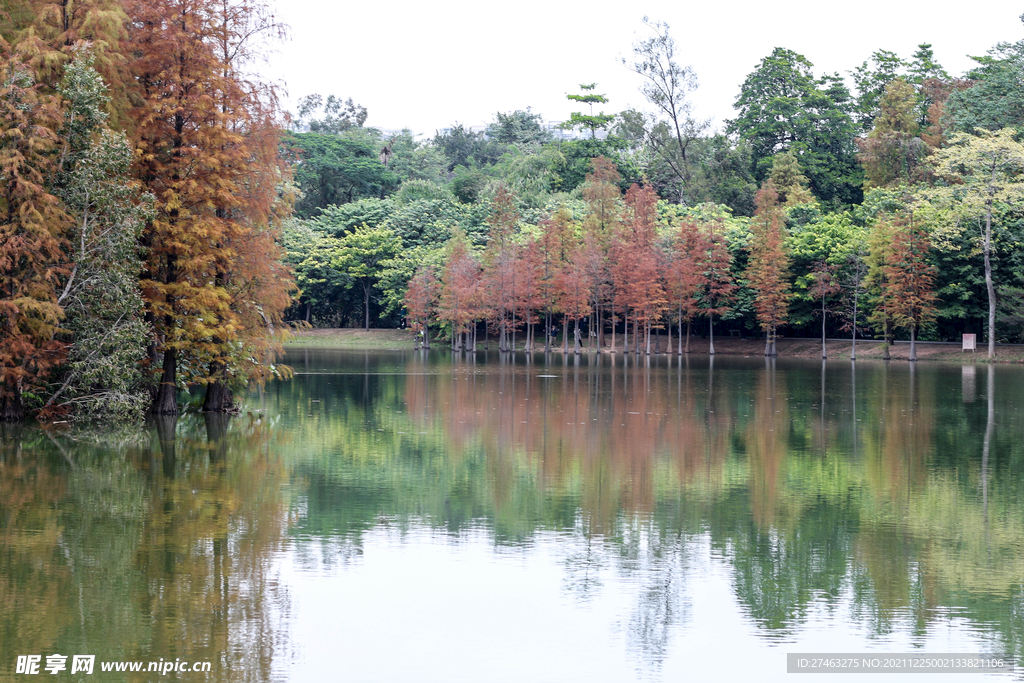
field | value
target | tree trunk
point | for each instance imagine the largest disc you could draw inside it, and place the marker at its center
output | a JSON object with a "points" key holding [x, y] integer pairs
{"points": [[547, 332], [366, 304], [219, 398], [11, 407], [824, 352], [166, 402], [913, 347], [885, 341], [689, 324], [614, 349], [989, 287], [565, 335], [853, 346], [625, 334], [679, 346], [711, 335], [576, 337]]}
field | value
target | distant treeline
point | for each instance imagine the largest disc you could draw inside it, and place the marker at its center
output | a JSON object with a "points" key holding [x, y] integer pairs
{"points": [[893, 210]]}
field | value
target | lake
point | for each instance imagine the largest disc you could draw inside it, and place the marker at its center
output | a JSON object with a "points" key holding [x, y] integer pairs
{"points": [[399, 516]]}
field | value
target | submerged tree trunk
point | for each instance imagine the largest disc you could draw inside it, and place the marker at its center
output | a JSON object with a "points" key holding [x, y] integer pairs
{"points": [[166, 402], [219, 397], [11, 407], [989, 287]]}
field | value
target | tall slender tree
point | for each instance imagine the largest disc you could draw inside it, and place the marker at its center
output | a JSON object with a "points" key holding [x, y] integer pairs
{"points": [[768, 266], [201, 132], [718, 289], [910, 279], [988, 174], [33, 226]]}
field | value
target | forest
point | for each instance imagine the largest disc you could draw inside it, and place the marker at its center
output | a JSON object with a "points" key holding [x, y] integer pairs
{"points": [[165, 222], [889, 210]]}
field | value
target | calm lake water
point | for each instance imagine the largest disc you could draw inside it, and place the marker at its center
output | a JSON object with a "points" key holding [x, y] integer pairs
{"points": [[402, 517]]}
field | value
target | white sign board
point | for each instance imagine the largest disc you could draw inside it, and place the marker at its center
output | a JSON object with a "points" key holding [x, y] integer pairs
{"points": [[970, 342]]}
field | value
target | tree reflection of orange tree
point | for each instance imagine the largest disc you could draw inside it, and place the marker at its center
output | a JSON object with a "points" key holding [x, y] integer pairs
{"points": [[767, 443], [613, 441], [32, 575], [212, 524], [107, 563], [636, 458]]}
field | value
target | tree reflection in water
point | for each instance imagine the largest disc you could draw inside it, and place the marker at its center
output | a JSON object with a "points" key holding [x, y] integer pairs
{"points": [[145, 544], [821, 486]]}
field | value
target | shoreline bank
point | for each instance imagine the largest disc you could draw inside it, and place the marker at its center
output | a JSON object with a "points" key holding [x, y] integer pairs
{"points": [[837, 349]]}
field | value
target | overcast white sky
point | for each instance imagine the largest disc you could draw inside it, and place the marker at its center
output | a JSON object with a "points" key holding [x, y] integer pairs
{"points": [[425, 65]]}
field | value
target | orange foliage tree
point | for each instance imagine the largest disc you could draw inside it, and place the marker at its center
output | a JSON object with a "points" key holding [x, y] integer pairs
{"points": [[910, 279], [686, 276], [636, 271], [419, 302], [718, 288], [500, 265], [768, 267], [460, 298], [604, 217], [32, 239], [208, 154]]}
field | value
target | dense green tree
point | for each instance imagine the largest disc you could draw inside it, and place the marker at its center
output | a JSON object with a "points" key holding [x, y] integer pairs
{"points": [[892, 152], [787, 180], [360, 255], [321, 286], [415, 160], [102, 302], [871, 82], [335, 115], [996, 100], [520, 127], [336, 169], [988, 169], [722, 174], [781, 106], [466, 148]]}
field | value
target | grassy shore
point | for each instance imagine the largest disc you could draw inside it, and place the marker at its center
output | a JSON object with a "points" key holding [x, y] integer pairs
{"points": [[387, 339]]}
